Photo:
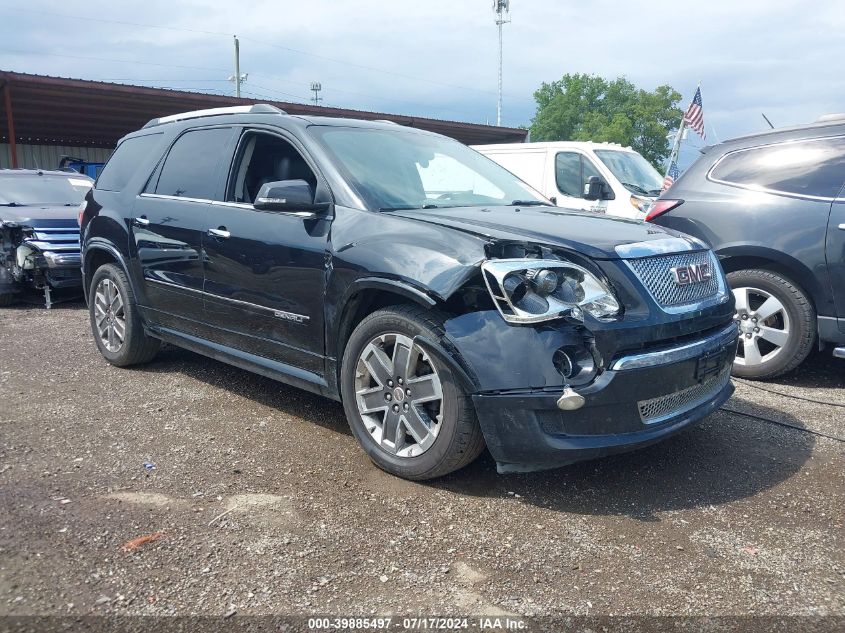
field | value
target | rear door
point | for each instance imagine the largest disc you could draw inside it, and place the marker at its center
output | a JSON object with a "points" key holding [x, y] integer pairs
{"points": [[265, 271], [169, 219]]}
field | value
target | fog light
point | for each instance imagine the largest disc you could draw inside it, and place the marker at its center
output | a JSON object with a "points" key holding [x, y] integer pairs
{"points": [[570, 401]]}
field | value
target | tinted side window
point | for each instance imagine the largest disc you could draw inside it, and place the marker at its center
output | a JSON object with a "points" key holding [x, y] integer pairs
{"points": [[190, 169], [568, 173], [588, 169], [129, 155], [813, 167]]}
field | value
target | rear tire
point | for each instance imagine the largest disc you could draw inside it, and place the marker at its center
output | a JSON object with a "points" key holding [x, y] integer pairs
{"points": [[777, 324], [115, 322], [406, 409]]}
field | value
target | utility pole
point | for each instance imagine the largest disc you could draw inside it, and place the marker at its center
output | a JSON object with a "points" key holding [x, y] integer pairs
{"points": [[502, 9], [238, 78], [316, 87]]}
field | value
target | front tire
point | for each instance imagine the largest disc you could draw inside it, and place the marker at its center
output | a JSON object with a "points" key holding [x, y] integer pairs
{"points": [[115, 322], [405, 408], [777, 324]]}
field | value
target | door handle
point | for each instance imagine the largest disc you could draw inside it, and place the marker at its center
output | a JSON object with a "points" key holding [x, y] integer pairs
{"points": [[141, 221], [220, 232]]}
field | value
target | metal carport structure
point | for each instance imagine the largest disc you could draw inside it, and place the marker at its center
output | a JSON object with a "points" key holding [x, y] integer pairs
{"points": [[49, 116]]}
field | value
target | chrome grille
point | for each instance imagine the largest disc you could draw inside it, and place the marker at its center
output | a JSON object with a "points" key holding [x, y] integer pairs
{"points": [[658, 409], [656, 275], [56, 239]]}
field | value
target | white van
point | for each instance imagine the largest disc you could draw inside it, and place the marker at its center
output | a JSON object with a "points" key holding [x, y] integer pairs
{"points": [[561, 171]]}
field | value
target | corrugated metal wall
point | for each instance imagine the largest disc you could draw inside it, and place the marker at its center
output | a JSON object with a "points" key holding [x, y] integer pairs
{"points": [[48, 156]]}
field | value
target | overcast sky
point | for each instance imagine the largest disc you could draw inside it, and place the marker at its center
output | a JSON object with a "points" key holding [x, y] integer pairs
{"points": [[439, 58]]}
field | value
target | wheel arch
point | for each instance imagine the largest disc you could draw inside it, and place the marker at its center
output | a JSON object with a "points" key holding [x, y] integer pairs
{"points": [[96, 254], [734, 258], [362, 298]]}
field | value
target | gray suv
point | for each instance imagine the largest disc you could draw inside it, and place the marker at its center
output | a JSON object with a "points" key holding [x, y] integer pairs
{"points": [[772, 207]]}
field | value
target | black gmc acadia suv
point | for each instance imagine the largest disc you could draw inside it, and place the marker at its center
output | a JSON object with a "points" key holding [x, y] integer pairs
{"points": [[772, 207], [443, 301]]}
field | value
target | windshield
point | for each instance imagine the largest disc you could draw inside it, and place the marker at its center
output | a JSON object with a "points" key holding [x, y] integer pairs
{"points": [[396, 169], [633, 171], [33, 189]]}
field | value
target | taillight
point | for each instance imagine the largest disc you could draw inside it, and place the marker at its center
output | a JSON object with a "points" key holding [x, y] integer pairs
{"points": [[660, 207], [80, 211]]}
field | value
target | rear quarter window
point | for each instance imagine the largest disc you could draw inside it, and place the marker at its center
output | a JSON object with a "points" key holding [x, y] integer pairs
{"points": [[131, 154], [812, 168], [190, 169]]}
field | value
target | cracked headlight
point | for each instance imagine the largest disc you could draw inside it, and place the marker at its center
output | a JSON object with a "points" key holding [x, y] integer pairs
{"points": [[534, 290]]}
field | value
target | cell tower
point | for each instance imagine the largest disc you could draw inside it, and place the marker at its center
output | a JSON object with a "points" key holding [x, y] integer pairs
{"points": [[503, 16]]}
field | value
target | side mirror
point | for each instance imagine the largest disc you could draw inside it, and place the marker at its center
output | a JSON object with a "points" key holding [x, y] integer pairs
{"points": [[597, 189], [288, 196]]}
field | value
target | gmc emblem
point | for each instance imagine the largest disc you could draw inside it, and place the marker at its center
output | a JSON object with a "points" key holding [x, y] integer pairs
{"points": [[692, 274]]}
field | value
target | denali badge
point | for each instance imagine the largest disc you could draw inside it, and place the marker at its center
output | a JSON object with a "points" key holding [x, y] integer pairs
{"points": [[291, 316], [692, 274]]}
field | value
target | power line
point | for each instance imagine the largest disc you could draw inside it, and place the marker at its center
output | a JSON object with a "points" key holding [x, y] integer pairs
{"points": [[110, 59], [264, 43], [122, 22]]}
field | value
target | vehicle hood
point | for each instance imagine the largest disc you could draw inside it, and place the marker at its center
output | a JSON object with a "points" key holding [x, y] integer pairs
{"points": [[591, 234], [40, 215]]}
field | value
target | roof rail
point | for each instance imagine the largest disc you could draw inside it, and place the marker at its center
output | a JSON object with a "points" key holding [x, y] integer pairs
{"points": [[258, 108]]}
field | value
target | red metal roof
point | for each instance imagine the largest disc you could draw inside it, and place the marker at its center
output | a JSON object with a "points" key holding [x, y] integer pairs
{"points": [[77, 112]]}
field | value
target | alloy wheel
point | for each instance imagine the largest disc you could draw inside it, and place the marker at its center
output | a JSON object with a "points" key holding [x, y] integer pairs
{"points": [[399, 395], [764, 327], [109, 315]]}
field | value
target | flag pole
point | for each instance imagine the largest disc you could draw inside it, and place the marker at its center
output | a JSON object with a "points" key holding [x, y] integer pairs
{"points": [[676, 147]]}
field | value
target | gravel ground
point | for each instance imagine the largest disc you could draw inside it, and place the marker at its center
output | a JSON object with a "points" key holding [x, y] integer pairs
{"points": [[265, 504]]}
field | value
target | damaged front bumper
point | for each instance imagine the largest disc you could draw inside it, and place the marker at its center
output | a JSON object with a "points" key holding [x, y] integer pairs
{"points": [[630, 400], [39, 257]]}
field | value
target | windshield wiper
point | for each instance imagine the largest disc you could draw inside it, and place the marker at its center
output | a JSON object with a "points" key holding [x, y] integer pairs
{"points": [[415, 207], [655, 192], [529, 203], [11, 204], [636, 188]]}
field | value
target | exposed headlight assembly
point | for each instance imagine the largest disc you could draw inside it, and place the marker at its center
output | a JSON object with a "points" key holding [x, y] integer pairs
{"points": [[535, 290]]}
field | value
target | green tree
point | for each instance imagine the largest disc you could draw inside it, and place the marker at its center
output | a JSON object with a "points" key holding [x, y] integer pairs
{"points": [[581, 107]]}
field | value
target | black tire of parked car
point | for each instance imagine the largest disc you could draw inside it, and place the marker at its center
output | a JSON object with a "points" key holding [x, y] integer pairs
{"points": [[801, 313], [137, 347], [459, 440], [7, 300]]}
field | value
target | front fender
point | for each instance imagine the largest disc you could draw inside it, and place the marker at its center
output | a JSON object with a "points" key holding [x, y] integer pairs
{"points": [[434, 259]]}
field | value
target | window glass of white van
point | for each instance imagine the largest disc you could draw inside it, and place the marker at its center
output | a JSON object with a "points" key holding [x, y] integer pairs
{"points": [[572, 171], [568, 174], [634, 172]]}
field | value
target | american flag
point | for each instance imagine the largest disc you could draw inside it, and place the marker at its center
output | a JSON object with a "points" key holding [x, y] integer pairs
{"points": [[671, 176], [694, 116]]}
